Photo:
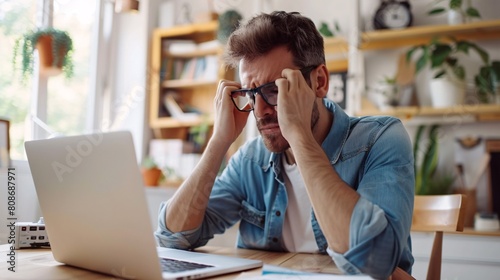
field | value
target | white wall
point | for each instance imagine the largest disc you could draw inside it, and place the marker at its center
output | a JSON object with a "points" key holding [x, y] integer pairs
{"points": [[130, 73]]}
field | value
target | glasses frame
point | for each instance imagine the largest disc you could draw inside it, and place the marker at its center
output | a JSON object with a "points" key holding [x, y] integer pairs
{"points": [[305, 71]]}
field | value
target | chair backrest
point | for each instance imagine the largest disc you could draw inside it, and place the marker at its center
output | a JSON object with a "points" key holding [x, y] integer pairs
{"points": [[436, 213]]}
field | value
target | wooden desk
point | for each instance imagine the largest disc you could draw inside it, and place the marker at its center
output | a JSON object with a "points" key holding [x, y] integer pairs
{"points": [[39, 263]]}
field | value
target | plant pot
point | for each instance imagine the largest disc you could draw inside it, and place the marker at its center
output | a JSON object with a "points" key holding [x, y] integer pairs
{"points": [[151, 176], [446, 93], [385, 96], [46, 57], [455, 17]]}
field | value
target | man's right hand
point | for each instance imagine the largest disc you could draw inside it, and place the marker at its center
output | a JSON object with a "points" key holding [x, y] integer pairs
{"points": [[229, 121]]}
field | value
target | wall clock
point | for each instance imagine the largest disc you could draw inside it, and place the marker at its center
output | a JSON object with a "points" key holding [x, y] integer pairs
{"points": [[392, 14]]}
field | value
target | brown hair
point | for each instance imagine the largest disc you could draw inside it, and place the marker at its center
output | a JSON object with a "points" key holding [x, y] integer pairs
{"points": [[264, 32]]}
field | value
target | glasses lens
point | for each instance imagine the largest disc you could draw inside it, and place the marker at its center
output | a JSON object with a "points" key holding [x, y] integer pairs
{"points": [[270, 93], [241, 99]]}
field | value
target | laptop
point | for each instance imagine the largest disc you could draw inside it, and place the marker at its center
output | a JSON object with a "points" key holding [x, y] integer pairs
{"points": [[94, 205]]}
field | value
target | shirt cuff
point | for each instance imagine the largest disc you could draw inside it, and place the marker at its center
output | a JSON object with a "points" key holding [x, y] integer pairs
{"points": [[342, 263], [166, 238], [366, 222]]}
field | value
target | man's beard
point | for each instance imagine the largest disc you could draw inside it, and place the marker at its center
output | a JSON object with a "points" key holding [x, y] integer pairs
{"points": [[276, 143]]}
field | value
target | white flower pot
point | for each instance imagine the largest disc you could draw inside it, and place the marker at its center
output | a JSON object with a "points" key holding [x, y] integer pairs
{"points": [[446, 92], [455, 17]]}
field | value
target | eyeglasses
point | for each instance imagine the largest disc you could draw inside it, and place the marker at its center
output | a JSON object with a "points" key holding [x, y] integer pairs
{"points": [[244, 99]]}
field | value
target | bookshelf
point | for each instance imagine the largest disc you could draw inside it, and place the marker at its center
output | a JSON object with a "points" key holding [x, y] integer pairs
{"points": [[185, 61]]}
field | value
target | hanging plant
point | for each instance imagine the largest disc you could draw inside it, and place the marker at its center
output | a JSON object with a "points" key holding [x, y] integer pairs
{"points": [[55, 49]]}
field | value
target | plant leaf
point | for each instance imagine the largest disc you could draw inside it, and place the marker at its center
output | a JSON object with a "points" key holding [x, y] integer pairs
{"points": [[439, 55], [337, 26], [452, 61], [439, 74], [485, 57], [421, 62], [459, 71], [410, 52], [455, 4], [436, 11], [472, 12], [430, 160], [324, 30], [484, 80], [463, 46], [495, 67]]}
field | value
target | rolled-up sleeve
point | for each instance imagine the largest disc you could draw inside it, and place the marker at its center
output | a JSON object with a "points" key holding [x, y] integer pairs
{"points": [[169, 239], [380, 224]]}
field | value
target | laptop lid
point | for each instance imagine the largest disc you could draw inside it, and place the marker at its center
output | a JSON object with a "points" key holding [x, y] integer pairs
{"points": [[93, 201]]}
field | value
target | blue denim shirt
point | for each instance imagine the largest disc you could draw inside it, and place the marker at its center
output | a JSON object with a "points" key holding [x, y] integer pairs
{"points": [[373, 155]]}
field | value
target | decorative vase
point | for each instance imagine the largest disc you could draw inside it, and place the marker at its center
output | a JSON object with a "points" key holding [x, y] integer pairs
{"points": [[46, 57], [446, 93]]}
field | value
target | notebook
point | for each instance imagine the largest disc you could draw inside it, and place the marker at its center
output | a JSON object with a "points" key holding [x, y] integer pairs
{"points": [[93, 202]]}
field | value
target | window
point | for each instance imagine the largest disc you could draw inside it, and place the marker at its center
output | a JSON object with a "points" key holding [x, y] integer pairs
{"points": [[16, 16], [67, 99]]}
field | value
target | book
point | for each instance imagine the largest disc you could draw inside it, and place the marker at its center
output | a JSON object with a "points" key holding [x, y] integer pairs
{"points": [[175, 110], [180, 47]]}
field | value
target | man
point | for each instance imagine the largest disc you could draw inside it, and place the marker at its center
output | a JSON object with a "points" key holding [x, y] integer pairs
{"points": [[316, 180]]}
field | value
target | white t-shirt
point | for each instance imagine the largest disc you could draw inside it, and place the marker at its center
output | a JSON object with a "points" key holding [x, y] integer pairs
{"points": [[298, 234]]}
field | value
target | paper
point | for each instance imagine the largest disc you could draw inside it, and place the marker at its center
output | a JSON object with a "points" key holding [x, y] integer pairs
{"points": [[271, 272]]}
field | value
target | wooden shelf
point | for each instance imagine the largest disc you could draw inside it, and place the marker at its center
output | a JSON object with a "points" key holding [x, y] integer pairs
{"points": [[387, 39], [334, 45], [336, 53], [169, 122], [187, 83], [481, 112], [197, 32], [197, 53]]}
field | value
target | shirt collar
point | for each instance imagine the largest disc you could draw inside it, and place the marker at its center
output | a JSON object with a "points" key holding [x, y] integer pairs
{"points": [[336, 138]]}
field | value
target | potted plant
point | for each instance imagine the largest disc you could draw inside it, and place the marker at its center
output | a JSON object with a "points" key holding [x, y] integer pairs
{"points": [[448, 83], [427, 180], [487, 82], [151, 174], [385, 93], [456, 13], [55, 49]]}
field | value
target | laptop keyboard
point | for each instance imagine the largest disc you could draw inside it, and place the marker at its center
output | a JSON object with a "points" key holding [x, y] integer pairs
{"points": [[170, 265]]}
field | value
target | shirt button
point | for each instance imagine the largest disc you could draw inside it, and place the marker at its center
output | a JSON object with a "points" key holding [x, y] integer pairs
{"points": [[275, 240], [278, 213]]}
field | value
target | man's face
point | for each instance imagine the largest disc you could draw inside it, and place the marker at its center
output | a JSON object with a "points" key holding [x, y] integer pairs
{"points": [[261, 71]]}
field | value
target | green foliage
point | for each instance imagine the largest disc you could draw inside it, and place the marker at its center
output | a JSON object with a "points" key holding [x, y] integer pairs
{"points": [[199, 134], [228, 22], [427, 181], [325, 30], [487, 81], [149, 163], [25, 46], [443, 56], [469, 12]]}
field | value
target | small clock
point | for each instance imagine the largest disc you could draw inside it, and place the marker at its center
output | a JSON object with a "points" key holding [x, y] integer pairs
{"points": [[393, 14]]}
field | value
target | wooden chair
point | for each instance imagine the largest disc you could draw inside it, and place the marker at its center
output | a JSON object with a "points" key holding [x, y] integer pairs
{"points": [[436, 213]]}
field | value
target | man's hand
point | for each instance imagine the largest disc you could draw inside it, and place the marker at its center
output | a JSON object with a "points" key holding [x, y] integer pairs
{"points": [[295, 104], [229, 121]]}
